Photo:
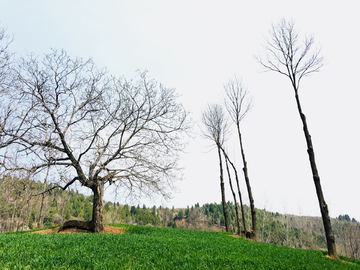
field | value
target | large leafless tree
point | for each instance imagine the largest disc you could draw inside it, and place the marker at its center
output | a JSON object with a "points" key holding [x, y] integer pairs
{"points": [[238, 103], [288, 55], [216, 130], [86, 126]]}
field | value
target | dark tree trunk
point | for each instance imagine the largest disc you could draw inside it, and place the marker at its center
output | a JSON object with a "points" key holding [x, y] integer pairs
{"points": [[330, 239], [252, 206], [240, 198], [97, 222], [232, 190], [238, 186], [96, 225], [226, 216]]}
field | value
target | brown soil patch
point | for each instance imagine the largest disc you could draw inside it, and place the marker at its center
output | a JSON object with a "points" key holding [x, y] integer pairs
{"points": [[115, 230], [107, 229], [327, 256]]}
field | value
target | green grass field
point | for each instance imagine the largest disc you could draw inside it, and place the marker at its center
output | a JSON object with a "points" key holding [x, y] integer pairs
{"points": [[144, 247]]}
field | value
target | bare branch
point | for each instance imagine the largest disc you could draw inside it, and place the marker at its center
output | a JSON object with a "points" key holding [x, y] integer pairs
{"points": [[237, 101], [287, 56], [215, 123]]}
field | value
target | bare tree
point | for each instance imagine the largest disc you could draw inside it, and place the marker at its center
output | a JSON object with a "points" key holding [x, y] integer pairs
{"points": [[216, 129], [113, 213], [265, 221], [287, 55], [352, 241], [286, 225], [92, 128], [300, 223], [14, 203], [238, 104]]}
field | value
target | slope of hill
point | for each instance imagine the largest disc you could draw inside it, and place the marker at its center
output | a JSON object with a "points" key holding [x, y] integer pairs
{"points": [[144, 247], [20, 210]]}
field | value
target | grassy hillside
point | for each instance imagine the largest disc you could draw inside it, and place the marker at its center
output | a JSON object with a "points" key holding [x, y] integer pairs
{"points": [[144, 247], [21, 210]]}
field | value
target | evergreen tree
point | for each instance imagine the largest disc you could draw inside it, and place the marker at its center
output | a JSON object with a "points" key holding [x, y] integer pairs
{"points": [[133, 210], [187, 212], [180, 214]]}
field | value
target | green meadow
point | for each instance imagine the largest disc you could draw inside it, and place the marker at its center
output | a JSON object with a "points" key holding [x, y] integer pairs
{"points": [[142, 247]]}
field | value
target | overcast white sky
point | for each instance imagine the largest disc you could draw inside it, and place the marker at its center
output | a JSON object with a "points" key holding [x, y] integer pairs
{"points": [[196, 47]]}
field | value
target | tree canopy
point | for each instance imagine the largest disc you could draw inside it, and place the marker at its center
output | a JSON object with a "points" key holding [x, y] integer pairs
{"points": [[74, 122]]}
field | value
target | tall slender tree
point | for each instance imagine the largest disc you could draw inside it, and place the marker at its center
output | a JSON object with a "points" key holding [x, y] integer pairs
{"points": [[295, 59], [216, 130], [238, 104]]}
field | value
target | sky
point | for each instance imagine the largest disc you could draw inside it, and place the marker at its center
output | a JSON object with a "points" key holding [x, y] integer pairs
{"points": [[196, 47]]}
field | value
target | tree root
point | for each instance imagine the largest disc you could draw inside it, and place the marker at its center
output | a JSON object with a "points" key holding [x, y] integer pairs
{"points": [[250, 234], [85, 225]]}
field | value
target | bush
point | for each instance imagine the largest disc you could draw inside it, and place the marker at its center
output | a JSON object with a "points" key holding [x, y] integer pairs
{"points": [[144, 217]]}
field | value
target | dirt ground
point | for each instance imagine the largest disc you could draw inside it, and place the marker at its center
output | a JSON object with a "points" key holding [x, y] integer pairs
{"points": [[107, 229]]}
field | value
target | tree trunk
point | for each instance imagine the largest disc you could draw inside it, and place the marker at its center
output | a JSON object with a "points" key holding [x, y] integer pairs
{"points": [[97, 222], [226, 216], [241, 203], [40, 221], [252, 207], [239, 192], [232, 190], [330, 239]]}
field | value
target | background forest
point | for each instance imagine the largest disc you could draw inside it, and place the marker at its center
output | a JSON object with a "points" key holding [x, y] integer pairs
{"points": [[21, 210]]}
